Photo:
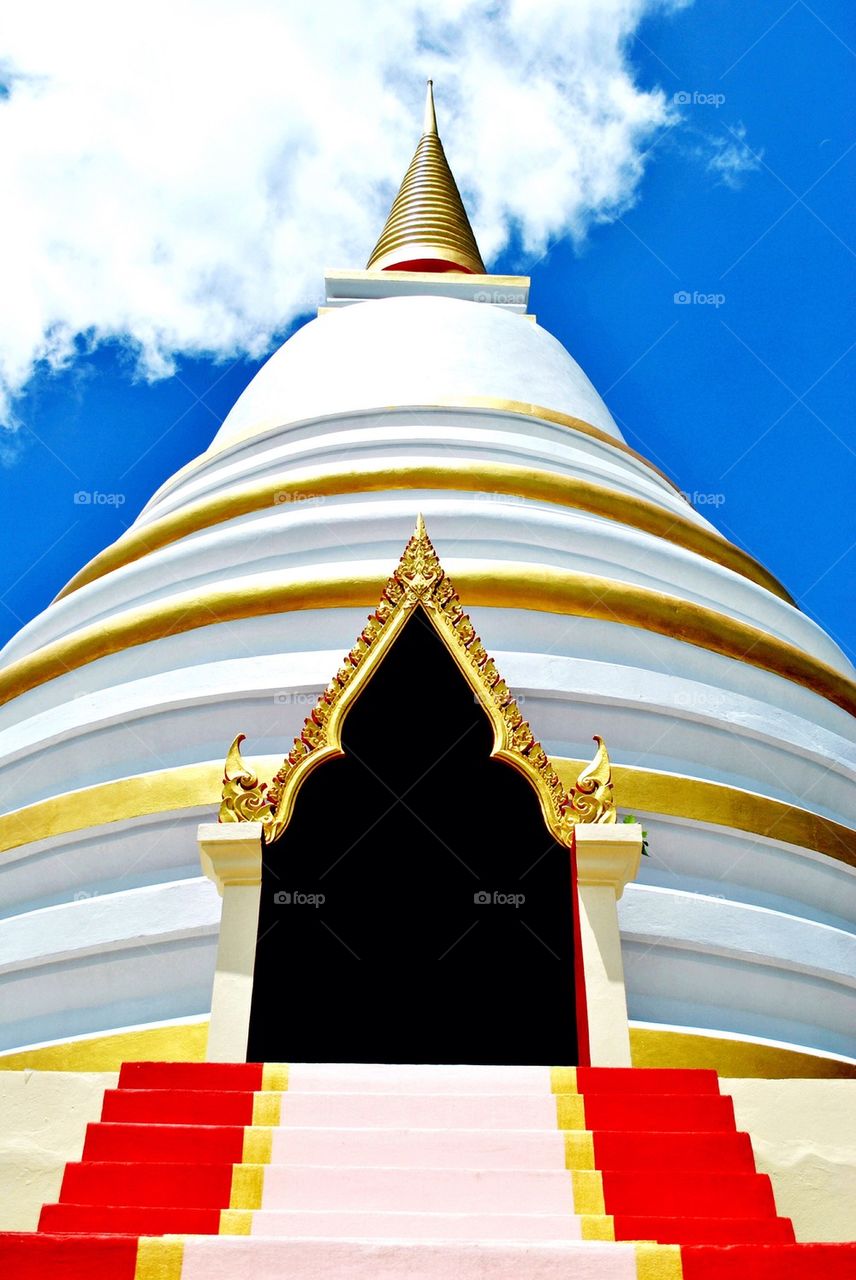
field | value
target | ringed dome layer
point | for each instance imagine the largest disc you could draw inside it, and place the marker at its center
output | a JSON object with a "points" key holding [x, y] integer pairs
{"points": [[400, 351]]}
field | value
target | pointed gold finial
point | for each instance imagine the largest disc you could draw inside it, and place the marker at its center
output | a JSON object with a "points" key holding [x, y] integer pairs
{"points": [[430, 124], [243, 797], [593, 797], [427, 228]]}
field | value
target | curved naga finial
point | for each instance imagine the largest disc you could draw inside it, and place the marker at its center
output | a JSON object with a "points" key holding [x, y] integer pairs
{"points": [[244, 798], [592, 799]]}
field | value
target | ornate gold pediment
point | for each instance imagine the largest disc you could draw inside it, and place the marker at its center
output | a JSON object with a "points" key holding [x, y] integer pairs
{"points": [[419, 582]]}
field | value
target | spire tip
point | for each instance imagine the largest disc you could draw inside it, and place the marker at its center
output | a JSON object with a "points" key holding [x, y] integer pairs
{"points": [[430, 124]]}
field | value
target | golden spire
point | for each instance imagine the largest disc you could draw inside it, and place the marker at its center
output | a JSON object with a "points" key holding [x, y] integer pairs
{"points": [[427, 228]]}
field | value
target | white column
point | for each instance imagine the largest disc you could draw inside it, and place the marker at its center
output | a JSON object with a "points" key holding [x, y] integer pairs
{"points": [[607, 859], [231, 855]]}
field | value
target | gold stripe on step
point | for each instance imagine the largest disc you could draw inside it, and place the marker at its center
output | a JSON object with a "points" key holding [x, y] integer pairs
{"points": [[658, 1262], [597, 1226], [588, 1191], [570, 1111], [275, 1076], [579, 1150], [247, 1186], [236, 1222], [258, 1145], [563, 1079], [159, 1258], [267, 1108]]}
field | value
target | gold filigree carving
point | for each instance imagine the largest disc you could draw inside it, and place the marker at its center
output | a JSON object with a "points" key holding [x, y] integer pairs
{"points": [[592, 797], [244, 798], [419, 581]]}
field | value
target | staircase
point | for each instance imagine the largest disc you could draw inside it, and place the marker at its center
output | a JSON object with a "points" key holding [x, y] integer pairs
{"points": [[425, 1173]]}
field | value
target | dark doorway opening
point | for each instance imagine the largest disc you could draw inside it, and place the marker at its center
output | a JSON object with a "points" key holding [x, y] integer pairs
{"points": [[416, 908]]}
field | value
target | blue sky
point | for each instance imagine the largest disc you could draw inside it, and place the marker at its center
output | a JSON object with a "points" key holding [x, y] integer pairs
{"points": [[744, 397]]}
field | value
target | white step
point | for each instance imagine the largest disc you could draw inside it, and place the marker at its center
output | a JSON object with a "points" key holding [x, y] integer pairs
{"points": [[340, 1224], [367, 1077], [267, 1258], [412, 1148], [418, 1190], [416, 1111]]}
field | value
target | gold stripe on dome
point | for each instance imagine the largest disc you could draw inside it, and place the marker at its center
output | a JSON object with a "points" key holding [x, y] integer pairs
{"points": [[427, 220], [194, 786], [651, 1047], [418, 582], [503, 586], [237, 440], [468, 477], [746, 1059], [173, 1042]]}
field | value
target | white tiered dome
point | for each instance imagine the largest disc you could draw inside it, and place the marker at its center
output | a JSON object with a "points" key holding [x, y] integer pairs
{"points": [[610, 605]]}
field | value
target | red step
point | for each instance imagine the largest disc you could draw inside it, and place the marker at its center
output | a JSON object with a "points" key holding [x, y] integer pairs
{"points": [[221, 1076], [29, 1256], [669, 1113], [769, 1262], [707, 1195], [178, 1106], [192, 1186], [646, 1080], [686, 1230], [164, 1143], [139, 1220], [721, 1152]]}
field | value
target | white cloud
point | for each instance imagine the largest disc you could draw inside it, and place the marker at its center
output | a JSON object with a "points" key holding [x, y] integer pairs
{"points": [[732, 157], [178, 174]]}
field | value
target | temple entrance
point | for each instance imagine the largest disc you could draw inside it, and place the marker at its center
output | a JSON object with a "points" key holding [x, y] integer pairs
{"points": [[416, 908]]}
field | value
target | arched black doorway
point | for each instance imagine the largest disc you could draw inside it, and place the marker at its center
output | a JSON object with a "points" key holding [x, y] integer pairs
{"points": [[373, 942]]}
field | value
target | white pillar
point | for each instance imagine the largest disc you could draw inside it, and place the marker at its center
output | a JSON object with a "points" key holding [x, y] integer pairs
{"points": [[231, 855], [607, 859]]}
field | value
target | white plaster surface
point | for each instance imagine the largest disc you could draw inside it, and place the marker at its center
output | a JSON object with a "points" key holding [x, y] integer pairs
{"points": [[804, 1136], [43, 1119], [415, 351]]}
